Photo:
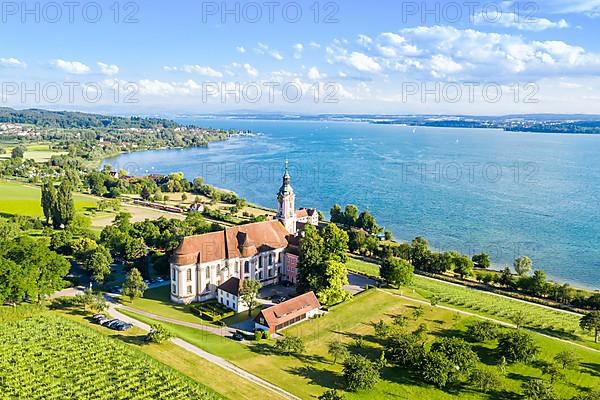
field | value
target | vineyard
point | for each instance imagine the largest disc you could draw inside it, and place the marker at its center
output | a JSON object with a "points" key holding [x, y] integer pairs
{"points": [[48, 357], [502, 308]]}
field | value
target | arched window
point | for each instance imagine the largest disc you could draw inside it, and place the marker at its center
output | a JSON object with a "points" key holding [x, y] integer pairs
{"points": [[246, 267]]}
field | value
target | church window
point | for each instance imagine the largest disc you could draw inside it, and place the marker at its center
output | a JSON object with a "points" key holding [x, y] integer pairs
{"points": [[270, 258], [174, 275], [189, 290], [246, 267], [208, 272], [174, 289], [260, 261], [189, 275]]}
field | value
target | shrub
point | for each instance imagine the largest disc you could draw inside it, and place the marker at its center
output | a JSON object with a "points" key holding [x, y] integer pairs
{"points": [[331, 394], [266, 335], [485, 379], [290, 345], [159, 334], [481, 331], [258, 335], [211, 311]]}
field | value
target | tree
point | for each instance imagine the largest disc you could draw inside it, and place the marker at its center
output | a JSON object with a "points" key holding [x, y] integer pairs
{"points": [[135, 248], [350, 215], [458, 352], [482, 260], [145, 193], [159, 333], [517, 346], [523, 265], [397, 272], [98, 263], [537, 285], [335, 278], [335, 243], [593, 395], [331, 394], [437, 369], [404, 349], [337, 216], [554, 371], [519, 318], [249, 293], [591, 322], [537, 389], [418, 312], [289, 345], [134, 285], [420, 253], [506, 278], [48, 199], [485, 379], [567, 359], [338, 351], [356, 240], [367, 222], [18, 151], [463, 266], [310, 260], [360, 373]]}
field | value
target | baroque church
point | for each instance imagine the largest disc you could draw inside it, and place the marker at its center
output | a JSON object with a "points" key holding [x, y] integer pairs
{"points": [[214, 265]]}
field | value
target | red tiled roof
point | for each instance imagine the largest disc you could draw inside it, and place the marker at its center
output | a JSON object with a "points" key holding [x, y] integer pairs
{"points": [[288, 310], [239, 241]]}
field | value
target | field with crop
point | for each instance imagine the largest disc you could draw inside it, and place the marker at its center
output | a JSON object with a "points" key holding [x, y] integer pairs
{"points": [[47, 357], [18, 198]]}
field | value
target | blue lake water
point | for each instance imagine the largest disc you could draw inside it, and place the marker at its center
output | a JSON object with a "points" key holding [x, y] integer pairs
{"points": [[472, 190]]}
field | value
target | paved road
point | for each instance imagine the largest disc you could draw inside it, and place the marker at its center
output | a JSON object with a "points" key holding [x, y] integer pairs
{"points": [[221, 362]]}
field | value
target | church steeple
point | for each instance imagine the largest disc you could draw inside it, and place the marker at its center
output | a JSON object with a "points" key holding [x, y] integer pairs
{"points": [[286, 212]]}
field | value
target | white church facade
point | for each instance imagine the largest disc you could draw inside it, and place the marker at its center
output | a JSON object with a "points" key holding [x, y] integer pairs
{"points": [[214, 265]]}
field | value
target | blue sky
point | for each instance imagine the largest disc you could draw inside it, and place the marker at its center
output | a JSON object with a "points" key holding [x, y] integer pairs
{"points": [[181, 57]]}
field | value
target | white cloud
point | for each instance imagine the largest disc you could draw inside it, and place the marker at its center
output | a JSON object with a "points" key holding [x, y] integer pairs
{"points": [[364, 40], [298, 49], [265, 49], [71, 67], [314, 74], [442, 66], [196, 69], [514, 20], [250, 70], [315, 45], [108, 69], [241, 49], [363, 62], [12, 62]]}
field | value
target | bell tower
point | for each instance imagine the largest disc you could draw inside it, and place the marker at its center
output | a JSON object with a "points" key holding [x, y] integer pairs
{"points": [[286, 199]]}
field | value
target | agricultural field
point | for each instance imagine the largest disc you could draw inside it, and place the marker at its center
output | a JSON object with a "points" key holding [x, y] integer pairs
{"points": [[48, 357], [311, 373], [40, 152], [540, 319], [23, 199]]}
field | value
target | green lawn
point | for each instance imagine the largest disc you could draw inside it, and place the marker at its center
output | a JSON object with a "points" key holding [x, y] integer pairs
{"points": [[311, 373], [541, 319], [157, 301], [23, 199]]}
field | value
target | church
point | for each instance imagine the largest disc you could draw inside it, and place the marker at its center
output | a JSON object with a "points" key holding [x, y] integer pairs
{"points": [[214, 265]]}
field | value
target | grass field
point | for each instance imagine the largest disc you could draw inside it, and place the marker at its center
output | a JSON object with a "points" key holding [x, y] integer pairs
{"points": [[311, 373], [22, 199], [48, 357], [541, 319]]}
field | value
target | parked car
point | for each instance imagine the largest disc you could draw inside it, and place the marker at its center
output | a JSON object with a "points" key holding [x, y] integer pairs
{"points": [[278, 299], [121, 326], [103, 321], [160, 280], [98, 316], [238, 337]]}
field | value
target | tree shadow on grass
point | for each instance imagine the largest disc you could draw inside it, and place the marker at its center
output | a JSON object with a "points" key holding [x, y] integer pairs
{"points": [[323, 378], [486, 355], [554, 333], [591, 368]]}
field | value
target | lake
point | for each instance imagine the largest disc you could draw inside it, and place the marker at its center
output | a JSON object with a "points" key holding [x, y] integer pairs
{"points": [[471, 190]]}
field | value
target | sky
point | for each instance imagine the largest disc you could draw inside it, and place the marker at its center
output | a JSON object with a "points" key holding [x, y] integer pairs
{"points": [[305, 57]]}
